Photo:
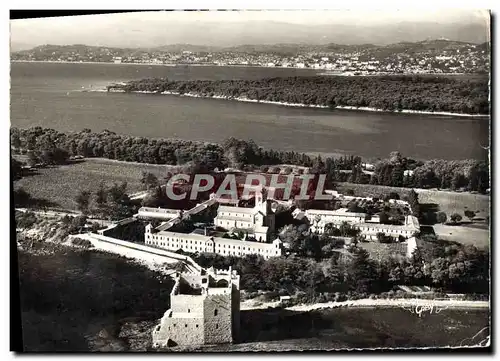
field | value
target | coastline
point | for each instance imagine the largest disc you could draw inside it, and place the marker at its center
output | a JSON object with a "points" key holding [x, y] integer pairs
{"points": [[300, 105], [163, 64], [414, 305], [417, 306], [321, 72]]}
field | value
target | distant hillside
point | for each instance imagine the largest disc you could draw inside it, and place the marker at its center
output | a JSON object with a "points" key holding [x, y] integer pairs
{"points": [[151, 32], [296, 48], [102, 52]]}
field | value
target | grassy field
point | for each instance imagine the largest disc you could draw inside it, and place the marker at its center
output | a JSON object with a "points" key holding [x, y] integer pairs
{"points": [[479, 237], [61, 184], [452, 202]]}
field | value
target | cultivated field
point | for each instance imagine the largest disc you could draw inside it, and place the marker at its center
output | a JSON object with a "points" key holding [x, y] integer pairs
{"points": [[61, 184], [479, 237], [452, 202]]}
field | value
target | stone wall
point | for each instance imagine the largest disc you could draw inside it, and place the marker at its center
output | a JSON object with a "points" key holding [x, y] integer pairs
{"points": [[182, 331], [235, 306], [218, 319], [187, 331], [191, 304]]}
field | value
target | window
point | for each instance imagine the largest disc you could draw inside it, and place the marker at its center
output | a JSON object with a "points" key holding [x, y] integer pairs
{"points": [[216, 325], [215, 312], [189, 310], [196, 326], [185, 325]]}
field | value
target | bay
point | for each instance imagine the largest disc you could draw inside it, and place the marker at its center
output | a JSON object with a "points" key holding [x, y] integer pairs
{"points": [[51, 95]]}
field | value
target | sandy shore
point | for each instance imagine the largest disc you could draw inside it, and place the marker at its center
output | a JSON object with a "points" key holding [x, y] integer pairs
{"points": [[416, 305]]}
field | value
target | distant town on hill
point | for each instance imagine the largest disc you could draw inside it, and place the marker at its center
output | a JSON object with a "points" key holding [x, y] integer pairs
{"points": [[429, 56]]}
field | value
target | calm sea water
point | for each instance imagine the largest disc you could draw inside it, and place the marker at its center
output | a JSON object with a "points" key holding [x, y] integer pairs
{"points": [[50, 95]]}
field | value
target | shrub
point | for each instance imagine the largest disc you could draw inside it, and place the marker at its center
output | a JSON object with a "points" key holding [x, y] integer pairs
{"points": [[270, 296], [441, 217], [26, 219], [455, 217], [84, 243], [469, 214], [340, 297]]}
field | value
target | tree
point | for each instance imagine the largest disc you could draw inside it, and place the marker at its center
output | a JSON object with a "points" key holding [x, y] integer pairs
{"points": [[441, 217], [77, 224], [360, 270], [101, 197], [349, 192], [15, 141], [395, 157], [83, 201], [354, 207], [149, 180], [392, 195], [293, 237], [455, 218], [457, 181], [412, 200], [383, 217], [16, 169], [381, 237], [318, 166], [33, 158], [469, 214], [119, 204]]}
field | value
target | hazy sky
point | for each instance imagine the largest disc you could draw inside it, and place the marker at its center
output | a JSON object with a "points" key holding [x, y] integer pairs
{"points": [[128, 28]]}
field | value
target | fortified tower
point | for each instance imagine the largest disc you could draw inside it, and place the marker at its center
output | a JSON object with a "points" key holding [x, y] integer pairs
{"points": [[204, 309]]}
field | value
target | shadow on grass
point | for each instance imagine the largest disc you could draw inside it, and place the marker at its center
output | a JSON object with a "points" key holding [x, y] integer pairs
{"points": [[427, 230], [24, 199]]}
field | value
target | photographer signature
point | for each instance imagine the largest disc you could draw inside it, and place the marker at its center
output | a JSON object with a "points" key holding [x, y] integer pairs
{"points": [[420, 309]]}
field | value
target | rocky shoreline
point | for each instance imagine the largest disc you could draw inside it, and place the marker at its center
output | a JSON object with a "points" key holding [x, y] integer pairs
{"points": [[297, 105]]}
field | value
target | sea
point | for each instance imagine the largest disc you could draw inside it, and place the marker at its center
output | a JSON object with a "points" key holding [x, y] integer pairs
{"points": [[60, 96]]}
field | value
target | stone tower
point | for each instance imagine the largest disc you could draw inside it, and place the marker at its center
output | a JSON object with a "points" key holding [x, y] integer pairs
{"points": [[204, 309]]}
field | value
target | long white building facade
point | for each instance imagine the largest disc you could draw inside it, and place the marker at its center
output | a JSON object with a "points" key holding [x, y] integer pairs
{"points": [[192, 242], [318, 219], [257, 223]]}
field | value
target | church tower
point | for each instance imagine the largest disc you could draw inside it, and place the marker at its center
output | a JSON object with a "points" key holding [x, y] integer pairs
{"points": [[261, 203]]}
